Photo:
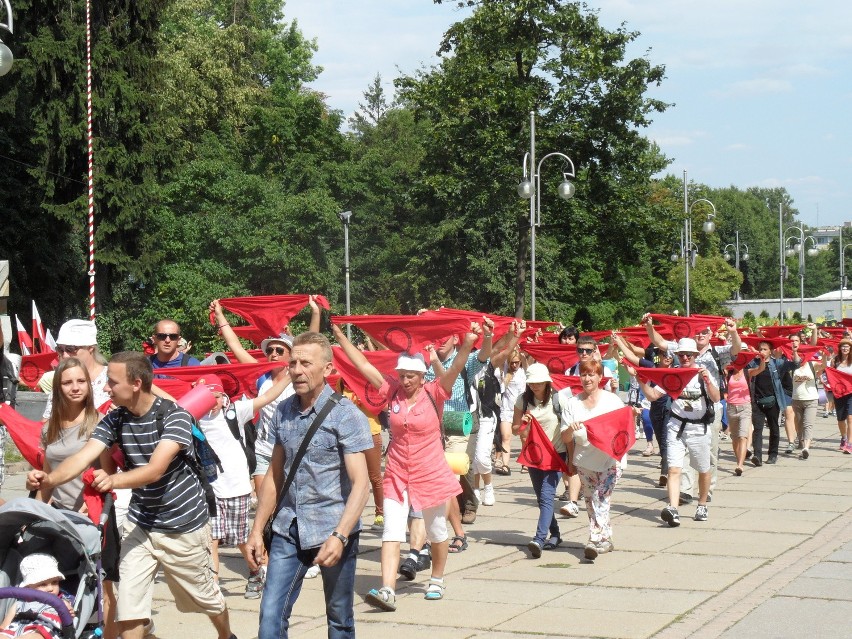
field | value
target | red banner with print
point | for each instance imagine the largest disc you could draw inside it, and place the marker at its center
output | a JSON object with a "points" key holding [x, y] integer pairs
{"points": [[670, 380], [613, 433], [538, 451]]}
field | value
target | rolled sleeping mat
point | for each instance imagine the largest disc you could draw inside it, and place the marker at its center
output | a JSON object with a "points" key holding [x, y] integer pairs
{"points": [[458, 423], [459, 463]]}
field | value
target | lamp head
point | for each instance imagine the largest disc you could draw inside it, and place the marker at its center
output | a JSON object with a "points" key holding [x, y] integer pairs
{"points": [[345, 216], [790, 252], [727, 256], [744, 257], [525, 189], [709, 226], [6, 59], [812, 252], [567, 189]]}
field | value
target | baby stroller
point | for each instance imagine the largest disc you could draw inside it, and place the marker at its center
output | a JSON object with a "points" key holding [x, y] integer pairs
{"points": [[28, 526]]}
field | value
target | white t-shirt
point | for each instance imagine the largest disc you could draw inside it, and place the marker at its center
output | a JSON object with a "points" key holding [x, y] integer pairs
{"points": [[234, 480], [547, 417], [585, 455], [511, 392], [691, 404], [265, 437], [804, 384]]}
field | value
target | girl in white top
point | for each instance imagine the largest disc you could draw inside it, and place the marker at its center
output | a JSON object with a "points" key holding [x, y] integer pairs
{"points": [[514, 382], [806, 400], [598, 472]]}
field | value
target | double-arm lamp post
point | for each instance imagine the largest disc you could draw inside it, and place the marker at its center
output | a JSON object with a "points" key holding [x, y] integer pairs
{"points": [[6, 57], [688, 249], [736, 247], [799, 239], [530, 189]]}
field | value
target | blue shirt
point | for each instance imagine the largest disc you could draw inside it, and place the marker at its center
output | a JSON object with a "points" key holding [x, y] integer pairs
{"points": [[778, 367], [458, 399], [319, 491], [177, 362]]}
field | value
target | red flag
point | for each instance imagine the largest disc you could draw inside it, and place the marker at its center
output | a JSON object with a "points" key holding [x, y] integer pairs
{"points": [[742, 359], [846, 321], [841, 383], [24, 339], [834, 331], [268, 313], [774, 342], [538, 451], [93, 499], [780, 331], [613, 433], [409, 333], [39, 337], [251, 333], [384, 361], [683, 326], [670, 380], [25, 433], [238, 379], [573, 382], [175, 387], [806, 351], [557, 357], [34, 366]]}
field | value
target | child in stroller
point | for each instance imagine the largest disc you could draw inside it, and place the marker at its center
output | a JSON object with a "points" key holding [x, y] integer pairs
{"points": [[37, 619]]}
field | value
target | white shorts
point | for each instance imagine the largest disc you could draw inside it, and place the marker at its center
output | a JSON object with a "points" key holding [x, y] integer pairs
{"points": [[696, 440], [396, 518]]}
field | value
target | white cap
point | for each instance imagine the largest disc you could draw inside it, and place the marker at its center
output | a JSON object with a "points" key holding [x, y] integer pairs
{"points": [[537, 373], [283, 338], [37, 568], [78, 333], [686, 345], [408, 362]]}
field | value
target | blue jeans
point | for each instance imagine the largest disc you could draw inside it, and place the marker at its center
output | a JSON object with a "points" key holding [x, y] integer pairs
{"points": [[286, 569], [544, 484]]}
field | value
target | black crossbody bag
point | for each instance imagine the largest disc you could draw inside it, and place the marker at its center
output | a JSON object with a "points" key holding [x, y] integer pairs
{"points": [[333, 401]]}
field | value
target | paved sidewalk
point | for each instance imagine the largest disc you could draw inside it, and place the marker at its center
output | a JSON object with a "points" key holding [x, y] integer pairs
{"points": [[774, 560]]}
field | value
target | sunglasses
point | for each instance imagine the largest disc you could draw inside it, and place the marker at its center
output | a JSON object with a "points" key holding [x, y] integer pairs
{"points": [[585, 351], [686, 355], [278, 350], [164, 336], [68, 350]]}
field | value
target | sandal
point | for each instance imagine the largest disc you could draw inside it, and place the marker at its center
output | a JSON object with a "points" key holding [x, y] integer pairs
{"points": [[552, 543], [505, 471], [435, 591], [383, 598], [458, 544]]}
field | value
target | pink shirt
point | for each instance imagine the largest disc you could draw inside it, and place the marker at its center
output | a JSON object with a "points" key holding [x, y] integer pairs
{"points": [[415, 458], [738, 390]]}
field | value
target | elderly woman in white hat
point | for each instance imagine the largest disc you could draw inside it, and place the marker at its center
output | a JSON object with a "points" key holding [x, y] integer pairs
{"points": [[689, 428], [416, 471], [79, 338], [540, 400]]}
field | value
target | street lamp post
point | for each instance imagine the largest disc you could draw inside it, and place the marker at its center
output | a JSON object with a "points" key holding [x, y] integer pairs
{"points": [[687, 247], [799, 240], [842, 269], [530, 188], [6, 57], [736, 247], [345, 216]]}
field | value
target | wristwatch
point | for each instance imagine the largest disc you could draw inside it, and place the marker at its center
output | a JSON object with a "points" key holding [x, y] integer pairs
{"points": [[343, 539]]}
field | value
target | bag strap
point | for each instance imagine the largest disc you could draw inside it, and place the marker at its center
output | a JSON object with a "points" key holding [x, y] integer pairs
{"points": [[303, 447]]}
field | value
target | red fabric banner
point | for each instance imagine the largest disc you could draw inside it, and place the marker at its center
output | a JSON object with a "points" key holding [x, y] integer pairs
{"points": [[613, 433], [780, 330], [93, 499], [25, 433], [841, 383], [774, 342], [806, 351], [743, 358], [268, 313], [538, 451], [237, 379], [384, 361], [557, 357], [175, 387], [670, 380], [251, 333], [407, 333], [834, 331], [36, 365], [573, 382], [683, 326]]}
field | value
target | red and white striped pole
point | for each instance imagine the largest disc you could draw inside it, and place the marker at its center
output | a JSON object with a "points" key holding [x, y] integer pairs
{"points": [[91, 180]]}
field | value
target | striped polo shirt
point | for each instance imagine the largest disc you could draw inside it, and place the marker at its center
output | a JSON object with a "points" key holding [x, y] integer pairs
{"points": [[175, 502]]}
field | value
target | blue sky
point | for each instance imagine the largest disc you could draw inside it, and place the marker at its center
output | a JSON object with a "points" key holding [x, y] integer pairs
{"points": [[761, 88]]}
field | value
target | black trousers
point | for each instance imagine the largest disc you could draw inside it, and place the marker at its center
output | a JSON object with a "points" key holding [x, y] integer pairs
{"points": [[761, 416]]}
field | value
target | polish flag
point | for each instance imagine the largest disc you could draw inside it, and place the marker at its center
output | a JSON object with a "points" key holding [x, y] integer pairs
{"points": [[24, 339], [38, 332], [49, 341]]}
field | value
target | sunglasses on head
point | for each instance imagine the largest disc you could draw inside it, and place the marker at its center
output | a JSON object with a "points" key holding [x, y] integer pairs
{"points": [[585, 351], [68, 350], [164, 336], [278, 350]]}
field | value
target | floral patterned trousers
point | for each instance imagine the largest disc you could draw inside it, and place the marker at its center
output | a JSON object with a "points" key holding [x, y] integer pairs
{"points": [[597, 491]]}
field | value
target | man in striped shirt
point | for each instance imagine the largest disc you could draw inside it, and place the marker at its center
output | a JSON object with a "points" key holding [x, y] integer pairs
{"points": [[167, 523]]}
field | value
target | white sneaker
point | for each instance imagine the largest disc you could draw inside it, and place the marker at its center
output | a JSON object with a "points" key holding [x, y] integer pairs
{"points": [[313, 571], [488, 495], [571, 509]]}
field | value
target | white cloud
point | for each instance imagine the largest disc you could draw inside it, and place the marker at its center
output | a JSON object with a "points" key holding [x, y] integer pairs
{"points": [[756, 87]]}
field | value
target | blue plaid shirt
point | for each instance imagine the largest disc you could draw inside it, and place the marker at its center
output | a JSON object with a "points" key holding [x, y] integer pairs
{"points": [[319, 491], [458, 399]]}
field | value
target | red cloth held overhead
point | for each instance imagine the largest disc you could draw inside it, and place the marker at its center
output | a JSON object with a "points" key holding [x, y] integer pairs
{"points": [[806, 351], [268, 313], [774, 342], [407, 333], [238, 379], [780, 331], [841, 383], [683, 326], [670, 380], [34, 366], [557, 357], [743, 358], [175, 387], [613, 433], [384, 361], [25, 433], [251, 333], [573, 382], [538, 451]]}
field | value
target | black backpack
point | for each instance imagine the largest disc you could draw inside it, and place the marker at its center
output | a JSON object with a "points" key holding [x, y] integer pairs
{"points": [[489, 393], [250, 437]]}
